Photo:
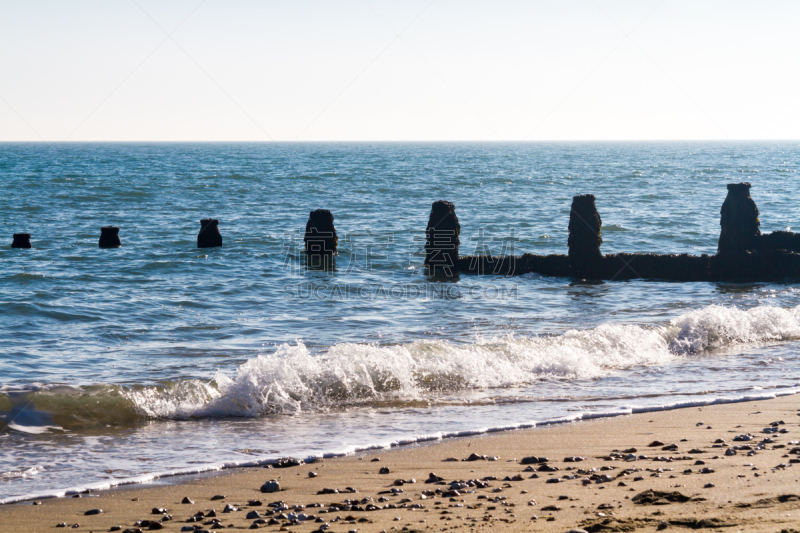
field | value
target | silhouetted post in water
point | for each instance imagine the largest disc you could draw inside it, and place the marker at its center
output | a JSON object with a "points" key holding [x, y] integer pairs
{"points": [[584, 236], [209, 236], [109, 237], [21, 240], [441, 239], [739, 221], [320, 238]]}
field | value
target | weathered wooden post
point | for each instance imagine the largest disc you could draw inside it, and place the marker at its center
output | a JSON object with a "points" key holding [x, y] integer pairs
{"points": [[739, 221], [442, 239], [584, 237], [209, 236], [320, 239], [109, 237], [21, 240]]}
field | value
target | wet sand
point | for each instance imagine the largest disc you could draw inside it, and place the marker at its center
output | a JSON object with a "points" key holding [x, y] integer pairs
{"points": [[631, 473]]}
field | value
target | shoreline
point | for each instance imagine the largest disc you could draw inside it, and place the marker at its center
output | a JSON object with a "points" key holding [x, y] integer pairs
{"points": [[220, 468], [596, 490]]}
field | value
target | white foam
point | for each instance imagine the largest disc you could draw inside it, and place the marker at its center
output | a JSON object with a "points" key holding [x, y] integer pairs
{"points": [[722, 327], [293, 379]]}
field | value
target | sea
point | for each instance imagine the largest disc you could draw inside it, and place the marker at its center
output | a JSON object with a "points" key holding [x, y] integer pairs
{"points": [[157, 358]]}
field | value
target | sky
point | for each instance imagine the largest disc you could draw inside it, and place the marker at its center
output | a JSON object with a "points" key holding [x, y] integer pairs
{"points": [[410, 70]]}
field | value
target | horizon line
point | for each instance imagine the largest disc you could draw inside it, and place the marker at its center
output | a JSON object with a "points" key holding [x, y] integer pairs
{"points": [[388, 141]]}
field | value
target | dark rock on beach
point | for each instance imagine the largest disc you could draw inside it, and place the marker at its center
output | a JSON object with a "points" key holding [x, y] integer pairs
{"points": [[476, 457], [271, 486], [533, 460], [287, 462]]}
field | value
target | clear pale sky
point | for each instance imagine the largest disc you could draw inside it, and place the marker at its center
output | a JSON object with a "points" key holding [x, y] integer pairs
{"points": [[242, 70]]}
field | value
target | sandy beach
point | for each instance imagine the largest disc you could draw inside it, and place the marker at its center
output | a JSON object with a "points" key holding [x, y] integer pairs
{"points": [[728, 467]]}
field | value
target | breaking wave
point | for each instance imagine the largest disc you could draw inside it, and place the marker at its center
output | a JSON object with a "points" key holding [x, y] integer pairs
{"points": [[293, 378]]}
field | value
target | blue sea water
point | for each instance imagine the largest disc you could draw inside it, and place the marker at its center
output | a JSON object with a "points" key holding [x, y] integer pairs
{"points": [[160, 357]]}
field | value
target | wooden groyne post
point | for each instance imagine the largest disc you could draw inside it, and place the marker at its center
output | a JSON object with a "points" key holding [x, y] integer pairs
{"points": [[109, 237], [739, 221], [320, 239], [21, 240], [442, 239], [209, 236], [584, 237]]}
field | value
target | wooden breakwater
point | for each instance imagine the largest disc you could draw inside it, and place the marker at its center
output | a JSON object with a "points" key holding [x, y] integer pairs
{"points": [[743, 254]]}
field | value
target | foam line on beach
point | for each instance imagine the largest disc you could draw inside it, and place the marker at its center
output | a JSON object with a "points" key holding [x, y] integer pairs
{"points": [[438, 436]]}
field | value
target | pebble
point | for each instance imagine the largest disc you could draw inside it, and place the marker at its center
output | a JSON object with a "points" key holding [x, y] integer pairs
{"points": [[230, 509], [533, 460], [286, 462], [312, 474], [91, 512], [433, 478], [270, 487], [159, 510], [384, 470], [709, 486], [252, 515], [186, 501], [218, 497]]}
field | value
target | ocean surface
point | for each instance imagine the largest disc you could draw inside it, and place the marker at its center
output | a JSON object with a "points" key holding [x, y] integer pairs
{"points": [[158, 357]]}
